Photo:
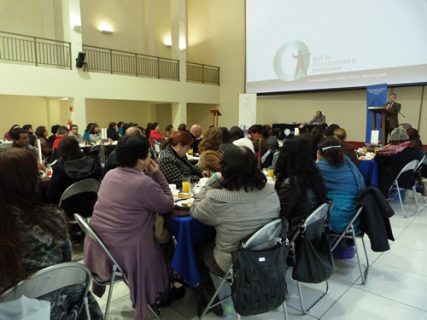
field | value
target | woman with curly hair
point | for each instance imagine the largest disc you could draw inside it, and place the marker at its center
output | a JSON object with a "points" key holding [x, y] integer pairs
{"points": [[209, 148], [299, 183]]}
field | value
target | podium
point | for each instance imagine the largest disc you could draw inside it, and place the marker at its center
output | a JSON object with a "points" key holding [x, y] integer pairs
{"points": [[382, 112], [215, 115]]}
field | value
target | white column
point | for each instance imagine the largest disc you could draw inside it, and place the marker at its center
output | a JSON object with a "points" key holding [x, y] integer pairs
{"points": [[71, 19], [179, 35], [179, 114]]}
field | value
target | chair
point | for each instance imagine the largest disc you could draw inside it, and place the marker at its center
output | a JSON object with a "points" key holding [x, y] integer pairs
{"points": [[418, 175], [350, 233], [405, 180], [80, 197], [312, 226], [266, 237], [117, 273], [53, 278]]}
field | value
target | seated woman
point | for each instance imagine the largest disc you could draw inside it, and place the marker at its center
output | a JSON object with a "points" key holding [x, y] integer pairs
{"points": [[237, 202], [393, 157], [113, 131], [209, 149], [33, 235], [343, 181], [299, 183], [173, 159], [71, 167], [124, 220]]}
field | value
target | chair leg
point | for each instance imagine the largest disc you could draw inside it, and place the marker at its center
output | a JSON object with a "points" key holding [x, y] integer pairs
{"points": [[301, 300], [367, 259], [362, 275], [400, 200], [285, 310], [210, 304], [414, 193], [110, 294], [86, 304], [152, 312]]}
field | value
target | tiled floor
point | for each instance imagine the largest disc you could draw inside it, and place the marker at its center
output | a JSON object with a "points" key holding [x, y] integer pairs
{"points": [[396, 286]]}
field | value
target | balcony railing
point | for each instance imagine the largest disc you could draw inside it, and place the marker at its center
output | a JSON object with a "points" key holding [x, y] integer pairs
{"points": [[202, 73], [123, 62], [34, 50]]}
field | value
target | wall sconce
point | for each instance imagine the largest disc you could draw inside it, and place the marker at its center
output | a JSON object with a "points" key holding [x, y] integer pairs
{"points": [[167, 41], [77, 28], [105, 28]]}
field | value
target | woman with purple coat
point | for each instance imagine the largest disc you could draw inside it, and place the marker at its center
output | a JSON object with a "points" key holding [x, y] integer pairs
{"points": [[123, 217]]}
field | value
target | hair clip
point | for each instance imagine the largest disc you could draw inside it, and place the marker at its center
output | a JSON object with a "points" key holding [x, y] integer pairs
{"points": [[330, 147]]}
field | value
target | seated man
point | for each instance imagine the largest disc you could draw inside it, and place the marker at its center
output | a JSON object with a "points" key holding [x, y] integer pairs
{"points": [[318, 119], [21, 139]]}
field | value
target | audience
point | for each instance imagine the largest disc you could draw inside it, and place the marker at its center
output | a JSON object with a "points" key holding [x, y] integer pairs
{"points": [[41, 134], [343, 181], [237, 202], [31, 135], [74, 132], [33, 234], [21, 140], [236, 133], [71, 167], [173, 159], [340, 134], [113, 131], [209, 148], [299, 183], [7, 136], [196, 131], [124, 219], [95, 134], [393, 157], [52, 138]]}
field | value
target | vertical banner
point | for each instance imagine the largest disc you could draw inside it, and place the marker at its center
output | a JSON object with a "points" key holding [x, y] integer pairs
{"points": [[247, 110], [376, 96]]}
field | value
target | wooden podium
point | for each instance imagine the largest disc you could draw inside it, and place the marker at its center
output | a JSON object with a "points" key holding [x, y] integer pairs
{"points": [[215, 114], [382, 112]]}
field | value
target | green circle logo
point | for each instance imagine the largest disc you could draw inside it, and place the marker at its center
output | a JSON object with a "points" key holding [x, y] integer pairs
{"points": [[291, 61]]}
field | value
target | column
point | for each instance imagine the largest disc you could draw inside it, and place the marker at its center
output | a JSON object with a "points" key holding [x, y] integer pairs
{"points": [[179, 35], [179, 113], [71, 23]]}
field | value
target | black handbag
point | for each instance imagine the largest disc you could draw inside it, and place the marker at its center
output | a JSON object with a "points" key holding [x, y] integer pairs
{"points": [[314, 262], [259, 280]]}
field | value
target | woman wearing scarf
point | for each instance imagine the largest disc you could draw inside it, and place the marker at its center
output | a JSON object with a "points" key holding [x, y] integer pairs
{"points": [[393, 157]]}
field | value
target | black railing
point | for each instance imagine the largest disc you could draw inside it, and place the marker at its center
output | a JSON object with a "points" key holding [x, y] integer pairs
{"points": [[34, 50], [123, 62], [202, 73]]}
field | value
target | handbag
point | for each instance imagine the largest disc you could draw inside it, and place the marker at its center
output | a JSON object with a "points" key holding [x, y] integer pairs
{"points": [[259, 280], [314, 262], [161, 233]]}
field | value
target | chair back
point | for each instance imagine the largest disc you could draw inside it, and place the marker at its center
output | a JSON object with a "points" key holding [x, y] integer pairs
{"points": [[50, 279], [420, 163], [80, 197], [86, 185], [266, 237], [406, 176], [94, 236]]}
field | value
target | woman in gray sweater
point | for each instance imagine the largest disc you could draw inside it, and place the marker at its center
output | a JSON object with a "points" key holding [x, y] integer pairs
{"points": [[237, 202]]}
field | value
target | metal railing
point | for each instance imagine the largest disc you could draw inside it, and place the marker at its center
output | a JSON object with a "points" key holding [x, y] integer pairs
{"points": [[123, 62], [202, 73], [34, 50]]}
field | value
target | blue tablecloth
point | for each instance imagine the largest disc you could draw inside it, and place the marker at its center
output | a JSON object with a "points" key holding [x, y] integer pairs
{"points": [[369, 170], [188, 233]]}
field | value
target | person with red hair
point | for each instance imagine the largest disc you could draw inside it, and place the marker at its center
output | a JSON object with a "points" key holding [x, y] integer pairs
{"points": [[173, 159]]}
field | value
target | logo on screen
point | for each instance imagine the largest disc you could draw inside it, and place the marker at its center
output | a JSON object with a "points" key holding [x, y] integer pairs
{"points": [[291, 61]]}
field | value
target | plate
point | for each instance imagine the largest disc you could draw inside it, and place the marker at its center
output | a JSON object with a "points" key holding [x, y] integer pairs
{"points": [[186, 203], [184, 195]]}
